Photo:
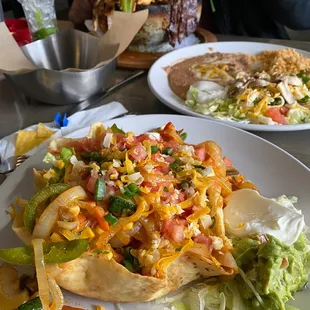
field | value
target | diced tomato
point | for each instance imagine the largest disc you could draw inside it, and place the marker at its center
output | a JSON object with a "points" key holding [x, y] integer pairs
{"points": [[169, 197], [90, 184], [167, 226], [202, 239], [227, 162], [173, 231], [163, 169], [200, 152], [138, 152], [285, 263], [177, 233], [112, 170], [276, 116], [171, 144], [144, 137], [155, 187], [169, 159], [110, 191], [284, 110]]}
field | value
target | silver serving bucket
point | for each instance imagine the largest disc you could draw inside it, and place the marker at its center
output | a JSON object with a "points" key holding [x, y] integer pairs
{"points": [[67, 49]]}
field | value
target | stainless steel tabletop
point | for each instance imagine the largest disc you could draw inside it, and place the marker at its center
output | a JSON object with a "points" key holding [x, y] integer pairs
{"points": [[16, 112]]}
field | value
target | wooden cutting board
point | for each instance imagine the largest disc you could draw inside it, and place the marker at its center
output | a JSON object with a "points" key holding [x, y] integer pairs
{"points": [[138, 60]]}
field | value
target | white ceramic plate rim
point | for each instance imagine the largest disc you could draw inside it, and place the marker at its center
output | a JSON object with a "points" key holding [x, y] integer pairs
{"points": [[137, 123], [158, 82]]}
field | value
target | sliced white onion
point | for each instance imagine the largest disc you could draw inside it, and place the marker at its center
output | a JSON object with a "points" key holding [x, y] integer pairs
{"points": [[107, 140], [116, 163], [41, 273], [208, 172], [205, 221], [49, 217], [77, 164], [186, 149], [68, 225], [136, 177], [136, 227], [115, 242], [58, 299]]}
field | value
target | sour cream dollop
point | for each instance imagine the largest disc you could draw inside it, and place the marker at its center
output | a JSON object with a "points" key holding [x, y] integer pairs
{"points": [[247, 212]]}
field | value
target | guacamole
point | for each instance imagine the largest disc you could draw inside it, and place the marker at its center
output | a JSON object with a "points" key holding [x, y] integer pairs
{"points": [[276, 270]]}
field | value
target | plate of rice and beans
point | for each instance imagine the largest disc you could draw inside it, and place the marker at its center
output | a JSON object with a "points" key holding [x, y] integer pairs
{"points": [[253, 86]]}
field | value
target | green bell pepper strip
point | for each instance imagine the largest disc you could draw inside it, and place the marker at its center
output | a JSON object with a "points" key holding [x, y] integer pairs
{"points": [[54, 253], [168, 151], [115, 129], [33, 304], [37, 199]]}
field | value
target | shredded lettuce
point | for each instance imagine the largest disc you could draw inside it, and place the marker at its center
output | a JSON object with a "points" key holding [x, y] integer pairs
{"points": [[206, 296], [66, 153], [298, 116], [50, 159]]}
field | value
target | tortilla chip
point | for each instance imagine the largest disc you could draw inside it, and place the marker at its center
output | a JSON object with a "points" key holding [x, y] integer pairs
{"points": [[91, 275], [28, 140], [44, 132], [96, 130]]}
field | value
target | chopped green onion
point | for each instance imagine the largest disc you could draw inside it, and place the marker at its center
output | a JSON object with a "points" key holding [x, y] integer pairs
{"points": [[115, 129], [184, 183], [175, 166], [100, 189], [304, 76], [257, 100], [167, 151], [166, 189], [111, 219], [183, 136], [276, 101], [127, 254], [154, 149], [92, 156], [131, 260], [131, 190], [121, 207], [178, 249], [305, 99], [128, 265]]}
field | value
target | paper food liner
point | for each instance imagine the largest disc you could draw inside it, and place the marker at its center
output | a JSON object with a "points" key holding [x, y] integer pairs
{"points": [[124, 27]]}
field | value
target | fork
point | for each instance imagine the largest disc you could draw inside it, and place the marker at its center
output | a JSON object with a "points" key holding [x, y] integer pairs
{"points": [[12, 163]]}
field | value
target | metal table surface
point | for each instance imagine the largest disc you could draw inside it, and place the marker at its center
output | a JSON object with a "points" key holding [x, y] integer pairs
{"points": [[16, 112]]}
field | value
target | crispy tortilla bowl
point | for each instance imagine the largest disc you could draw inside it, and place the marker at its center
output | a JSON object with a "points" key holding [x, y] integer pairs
{"points": [[150, 210]]}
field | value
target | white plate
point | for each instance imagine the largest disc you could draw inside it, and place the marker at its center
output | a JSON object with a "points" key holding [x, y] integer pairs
{"points": [[158, 82], [273, 170]]}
